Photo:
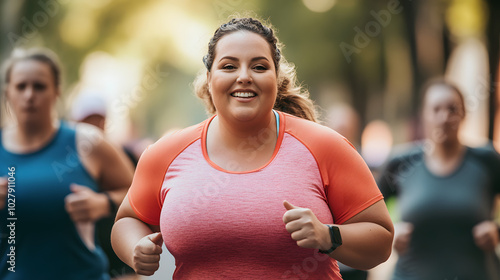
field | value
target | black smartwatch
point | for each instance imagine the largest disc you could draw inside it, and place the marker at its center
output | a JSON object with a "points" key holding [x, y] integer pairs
{"points": [[335, 237]]}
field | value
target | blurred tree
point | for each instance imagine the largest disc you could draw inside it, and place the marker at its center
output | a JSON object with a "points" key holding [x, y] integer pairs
{"points": [[493, 35], [372, 54]]}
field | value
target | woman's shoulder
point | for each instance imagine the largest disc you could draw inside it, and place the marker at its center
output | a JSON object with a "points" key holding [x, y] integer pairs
{"points": [[406, 153], [313, 133], [415, 149], [87, 136], [328, 147], [486, 153], [174, 142]]}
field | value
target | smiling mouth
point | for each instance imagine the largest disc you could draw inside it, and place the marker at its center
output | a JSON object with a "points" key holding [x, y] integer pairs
{"points": [[243, 94]]}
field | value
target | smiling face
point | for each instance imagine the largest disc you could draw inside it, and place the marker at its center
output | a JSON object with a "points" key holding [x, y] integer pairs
{"points": [[242, 80], [31, 92], [443, 111]]}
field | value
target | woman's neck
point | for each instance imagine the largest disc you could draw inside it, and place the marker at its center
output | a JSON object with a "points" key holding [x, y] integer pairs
{"points": [[241, 147], [234, 135], [447, 150], [445, 158], [29, 136]]}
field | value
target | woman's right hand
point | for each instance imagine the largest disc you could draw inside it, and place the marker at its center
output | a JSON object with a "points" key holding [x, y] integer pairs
{"points": [[147, 254], [402, 237], [486, 235]]}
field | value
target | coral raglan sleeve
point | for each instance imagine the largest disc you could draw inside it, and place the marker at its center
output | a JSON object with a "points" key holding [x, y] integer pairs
{"points": [[349, 184], [144, 193]]}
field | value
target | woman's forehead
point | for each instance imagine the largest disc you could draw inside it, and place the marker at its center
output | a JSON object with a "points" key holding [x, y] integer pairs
{"points": [[441, 93], [30, 68], [243, 43]]}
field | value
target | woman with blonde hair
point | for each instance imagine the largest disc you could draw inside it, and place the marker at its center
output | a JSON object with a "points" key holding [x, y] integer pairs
{"points": [[56, 179], [253, 192]]}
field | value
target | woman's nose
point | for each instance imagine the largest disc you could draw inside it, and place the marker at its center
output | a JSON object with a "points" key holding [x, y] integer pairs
{"points": [[29, 93], [244, 77]]}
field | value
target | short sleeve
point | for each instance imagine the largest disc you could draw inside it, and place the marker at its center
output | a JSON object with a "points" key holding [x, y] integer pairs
{"points": [[492, 159], [349, 184], [144, 193], [350, 187], [496, 174], [387, 180]]}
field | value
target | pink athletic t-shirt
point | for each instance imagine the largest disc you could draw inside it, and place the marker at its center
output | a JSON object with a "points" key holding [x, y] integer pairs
{"points": [[220, 224]]}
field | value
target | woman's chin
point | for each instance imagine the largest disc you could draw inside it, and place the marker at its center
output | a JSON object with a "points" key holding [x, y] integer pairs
{"points": [[244, 114]]}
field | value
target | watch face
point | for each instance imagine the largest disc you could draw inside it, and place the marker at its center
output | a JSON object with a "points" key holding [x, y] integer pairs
{"points": [[336, 237]]}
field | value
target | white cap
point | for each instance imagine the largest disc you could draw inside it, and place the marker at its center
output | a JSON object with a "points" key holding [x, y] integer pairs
{"points": [[87, 104]]}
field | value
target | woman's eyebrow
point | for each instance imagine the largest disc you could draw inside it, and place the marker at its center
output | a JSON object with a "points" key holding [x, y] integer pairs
{"points": [[237, 59]]}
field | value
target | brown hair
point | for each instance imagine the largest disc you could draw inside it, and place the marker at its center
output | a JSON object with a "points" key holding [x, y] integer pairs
{"points": [[292, 98], [38, 54]]}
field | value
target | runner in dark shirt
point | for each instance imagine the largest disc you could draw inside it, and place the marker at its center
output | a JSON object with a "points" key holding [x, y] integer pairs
{"points": [[446, 197]]}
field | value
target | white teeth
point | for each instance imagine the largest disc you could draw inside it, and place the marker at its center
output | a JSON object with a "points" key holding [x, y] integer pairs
{"points": [[243, 94]]}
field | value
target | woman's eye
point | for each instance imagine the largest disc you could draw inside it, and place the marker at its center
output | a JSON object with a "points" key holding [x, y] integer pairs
{"points": [[39, 86], [21, 86], [228, 67], [260, 68]]}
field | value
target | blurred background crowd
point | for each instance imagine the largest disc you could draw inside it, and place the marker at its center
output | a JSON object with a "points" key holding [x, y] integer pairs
{"points": [[372, 56]]}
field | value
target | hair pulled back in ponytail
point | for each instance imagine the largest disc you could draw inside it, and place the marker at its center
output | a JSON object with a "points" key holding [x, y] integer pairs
{"points": [[292, 98]]}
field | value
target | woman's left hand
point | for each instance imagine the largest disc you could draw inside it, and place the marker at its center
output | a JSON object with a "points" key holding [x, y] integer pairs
{"points": [[86, 205], [305, 228], [486, 235]]}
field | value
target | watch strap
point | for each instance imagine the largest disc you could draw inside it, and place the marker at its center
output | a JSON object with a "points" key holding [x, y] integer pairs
{"points": [[334, 237]]}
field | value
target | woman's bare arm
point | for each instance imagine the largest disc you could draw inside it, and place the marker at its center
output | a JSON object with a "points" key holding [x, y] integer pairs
{"points": [[366, 237], [108, 165], [136, 243]]}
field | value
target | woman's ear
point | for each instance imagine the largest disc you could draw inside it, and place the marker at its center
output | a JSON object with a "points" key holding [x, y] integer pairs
{"points": [[4, 97], [57, 94]]}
